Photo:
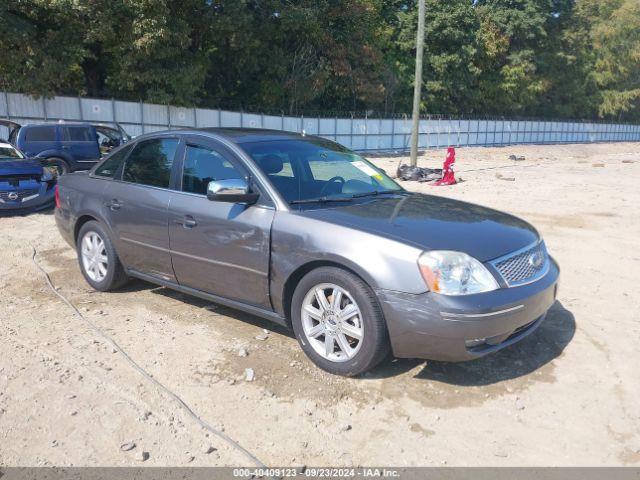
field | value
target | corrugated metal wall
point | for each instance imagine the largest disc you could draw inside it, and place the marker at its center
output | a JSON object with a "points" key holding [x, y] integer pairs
{"points": [[363, 134]]}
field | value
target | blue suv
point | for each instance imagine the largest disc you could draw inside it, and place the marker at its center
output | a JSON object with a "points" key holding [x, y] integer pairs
{"points": [[67, 147]]}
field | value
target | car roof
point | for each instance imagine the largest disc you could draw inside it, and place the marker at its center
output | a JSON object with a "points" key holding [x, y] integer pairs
{"points": [[246, 135], [53, 124], [235, 135]]}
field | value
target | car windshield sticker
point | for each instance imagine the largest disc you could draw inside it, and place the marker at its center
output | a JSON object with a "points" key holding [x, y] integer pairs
{"points": [[363, 167]]}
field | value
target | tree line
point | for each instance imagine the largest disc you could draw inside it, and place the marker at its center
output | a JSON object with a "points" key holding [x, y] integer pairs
{"points": [[534, 58]]}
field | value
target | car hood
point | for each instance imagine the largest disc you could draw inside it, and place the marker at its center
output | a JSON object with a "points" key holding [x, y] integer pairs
{"points": [[20, 167], [434, 223]]}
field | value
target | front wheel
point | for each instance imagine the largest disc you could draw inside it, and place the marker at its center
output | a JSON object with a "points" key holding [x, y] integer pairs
{"points": [[338, 322]]}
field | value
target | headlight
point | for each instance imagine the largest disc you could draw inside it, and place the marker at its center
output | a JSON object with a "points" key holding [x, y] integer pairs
{"points": [[455, 273], [47, 175]]}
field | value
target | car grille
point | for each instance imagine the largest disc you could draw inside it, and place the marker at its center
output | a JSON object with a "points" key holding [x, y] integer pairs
{"points": [[523, 266], [21, 195], [15, 180]]}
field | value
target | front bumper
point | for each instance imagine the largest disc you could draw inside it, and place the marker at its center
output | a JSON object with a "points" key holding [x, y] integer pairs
{"points": [[41, 200], [459, 328]]}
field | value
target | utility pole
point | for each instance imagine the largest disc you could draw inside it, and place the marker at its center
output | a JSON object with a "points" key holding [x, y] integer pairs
{"points": [[417, 85]]}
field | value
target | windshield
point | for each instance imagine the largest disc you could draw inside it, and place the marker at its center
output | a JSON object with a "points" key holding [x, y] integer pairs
{"points": [[318, 169], [8, 152]]}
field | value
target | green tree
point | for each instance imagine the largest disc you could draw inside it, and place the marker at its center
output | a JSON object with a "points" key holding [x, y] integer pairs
{"points": [[299, 55], [41, 47], [518, 37], [450, 59], [151, 49], [562, 58], [616, 43]]}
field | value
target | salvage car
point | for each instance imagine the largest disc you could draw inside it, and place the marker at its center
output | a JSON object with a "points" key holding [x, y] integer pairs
{"points": [[301, 231], [65, 146], [25, 185]]}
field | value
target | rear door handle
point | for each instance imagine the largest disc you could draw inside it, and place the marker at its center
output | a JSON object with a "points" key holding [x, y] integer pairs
{"points": [[187, 221], [114, 204]]}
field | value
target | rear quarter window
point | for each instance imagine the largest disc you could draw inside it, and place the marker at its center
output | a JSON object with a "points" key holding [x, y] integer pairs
{"points": [[78, 134], [111, 164], [40, 134]]}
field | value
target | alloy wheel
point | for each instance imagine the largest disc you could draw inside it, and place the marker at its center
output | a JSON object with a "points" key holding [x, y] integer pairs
{"points": [[332, 322], [94, 256]]}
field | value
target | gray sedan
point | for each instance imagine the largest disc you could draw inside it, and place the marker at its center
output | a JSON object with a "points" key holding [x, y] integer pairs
{"points": [[301, 231]]}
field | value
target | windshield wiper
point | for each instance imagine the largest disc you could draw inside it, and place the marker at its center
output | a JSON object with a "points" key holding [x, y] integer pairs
{"points": [[321, 200], [376, 192]]}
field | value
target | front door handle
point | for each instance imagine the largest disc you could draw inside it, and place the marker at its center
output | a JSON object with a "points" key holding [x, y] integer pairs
{"points": [[114, 204], [187, 222]]}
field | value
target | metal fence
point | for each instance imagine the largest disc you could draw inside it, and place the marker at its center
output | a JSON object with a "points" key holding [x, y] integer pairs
{"points": [[361, 134]]}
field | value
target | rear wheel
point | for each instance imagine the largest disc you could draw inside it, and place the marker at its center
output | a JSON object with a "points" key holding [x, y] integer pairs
{"points": [[98, 259], [338, 322]]}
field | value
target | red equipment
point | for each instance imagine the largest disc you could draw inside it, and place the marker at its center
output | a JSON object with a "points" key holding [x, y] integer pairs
{"points": [[448, 177]]}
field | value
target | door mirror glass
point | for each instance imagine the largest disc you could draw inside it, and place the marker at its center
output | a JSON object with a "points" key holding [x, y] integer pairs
{"points": [[235, 190]]}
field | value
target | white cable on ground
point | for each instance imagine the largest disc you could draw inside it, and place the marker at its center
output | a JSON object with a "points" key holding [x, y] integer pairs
{"points": [[142, 371]]}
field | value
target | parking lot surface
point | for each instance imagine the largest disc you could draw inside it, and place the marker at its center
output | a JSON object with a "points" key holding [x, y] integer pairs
{"points": [[566, 395]]}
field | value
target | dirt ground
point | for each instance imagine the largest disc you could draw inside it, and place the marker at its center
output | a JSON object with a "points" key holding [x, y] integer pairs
{"points": [[566, 395]]}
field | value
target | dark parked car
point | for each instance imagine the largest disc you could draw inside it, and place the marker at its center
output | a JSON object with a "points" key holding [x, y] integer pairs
{"points": [[25, 185], [65, 146], [301, 231]]}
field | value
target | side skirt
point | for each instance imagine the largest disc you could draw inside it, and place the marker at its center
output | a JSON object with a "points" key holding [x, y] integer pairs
{"points": [[243, 307]]}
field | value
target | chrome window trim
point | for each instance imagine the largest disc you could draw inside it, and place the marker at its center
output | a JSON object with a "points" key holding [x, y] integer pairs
{"points": [[141, 185]]}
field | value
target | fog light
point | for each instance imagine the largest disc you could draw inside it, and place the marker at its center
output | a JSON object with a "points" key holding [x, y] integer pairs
{"points": [[475, 342]]}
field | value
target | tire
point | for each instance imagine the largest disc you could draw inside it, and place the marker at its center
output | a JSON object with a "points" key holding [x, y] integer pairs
{"points": [[110, 275], [61, 167], [314, 325]]}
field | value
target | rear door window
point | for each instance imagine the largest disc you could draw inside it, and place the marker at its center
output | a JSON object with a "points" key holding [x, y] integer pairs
{"points": [[40, 134], [77, 134], [150, 162], [110, 166]]}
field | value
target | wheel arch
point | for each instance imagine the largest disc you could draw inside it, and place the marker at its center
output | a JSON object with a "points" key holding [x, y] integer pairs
{"points": [[56, 154], [82, 219], [296, 275]]}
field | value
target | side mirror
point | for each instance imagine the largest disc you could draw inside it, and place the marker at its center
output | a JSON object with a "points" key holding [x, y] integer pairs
{"points": [[234, 190]]}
